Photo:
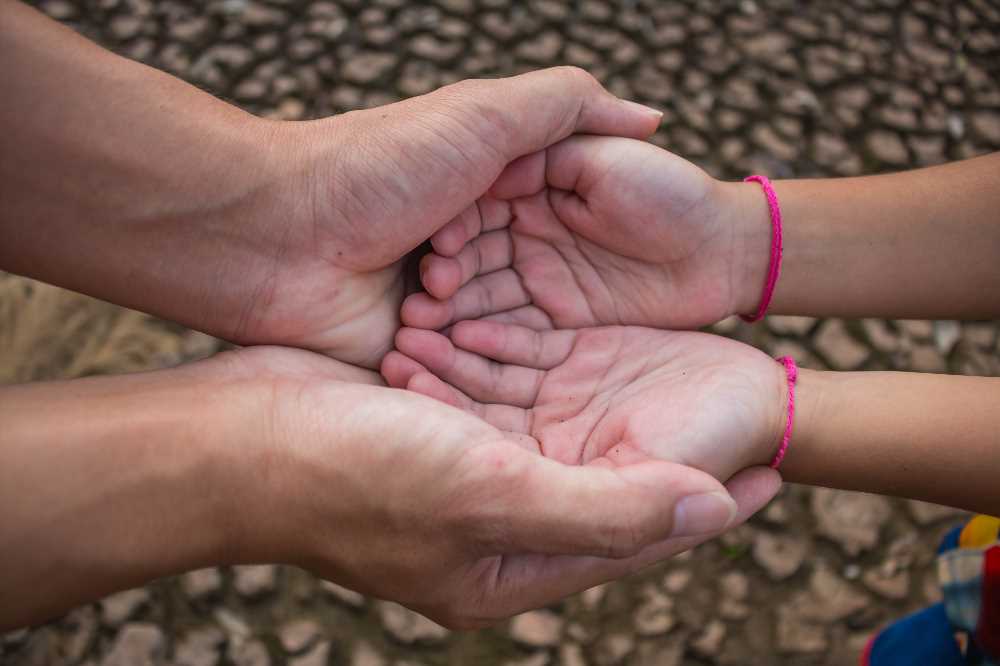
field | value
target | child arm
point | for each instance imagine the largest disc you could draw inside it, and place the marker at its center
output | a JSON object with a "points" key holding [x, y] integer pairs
{"points": [[922, 244], [929, 437]]}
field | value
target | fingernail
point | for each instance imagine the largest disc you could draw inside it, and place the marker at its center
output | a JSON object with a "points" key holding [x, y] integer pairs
{"points": [[648, 110], [703, 514]]}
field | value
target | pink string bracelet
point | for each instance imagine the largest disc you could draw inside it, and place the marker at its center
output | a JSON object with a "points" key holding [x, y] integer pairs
{"points": [[774, 266], [792, 372]]}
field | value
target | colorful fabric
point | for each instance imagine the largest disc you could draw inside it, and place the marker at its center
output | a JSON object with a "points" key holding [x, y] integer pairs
{"points": [[980, 532], [960, 572], [988, 629], [922, 638], [965, 627]]}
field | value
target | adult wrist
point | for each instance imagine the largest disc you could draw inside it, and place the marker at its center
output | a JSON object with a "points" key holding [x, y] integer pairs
{"points": [[233, 447], [202, 426], [292, 476]]}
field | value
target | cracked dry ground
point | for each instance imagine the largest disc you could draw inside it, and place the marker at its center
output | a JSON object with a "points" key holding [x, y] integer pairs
{"points": [[824, 88]]}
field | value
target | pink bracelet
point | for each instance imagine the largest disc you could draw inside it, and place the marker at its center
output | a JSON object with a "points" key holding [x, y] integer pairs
{"points": [[792, 372], [774, 268]]}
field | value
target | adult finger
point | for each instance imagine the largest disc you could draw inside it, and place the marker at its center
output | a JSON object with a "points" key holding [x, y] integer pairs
{"points": [[555, 508], [535, 580], [528, 112]]}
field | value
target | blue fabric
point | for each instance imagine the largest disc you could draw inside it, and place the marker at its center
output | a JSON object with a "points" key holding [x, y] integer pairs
{"points": [[950, 540], [922, 638]]}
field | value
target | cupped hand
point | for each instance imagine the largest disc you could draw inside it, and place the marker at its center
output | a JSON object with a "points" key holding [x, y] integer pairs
{"points": [[594, 231], [355, 193], [606, 396], [403, 497]]}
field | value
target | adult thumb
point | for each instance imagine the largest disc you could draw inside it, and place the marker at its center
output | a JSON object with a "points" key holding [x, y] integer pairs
{"points": [[613, 512], [532, 111]]}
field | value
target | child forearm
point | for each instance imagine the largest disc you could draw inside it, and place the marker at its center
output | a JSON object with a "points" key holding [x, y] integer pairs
{"points": [[922, 244], [929, 437]]}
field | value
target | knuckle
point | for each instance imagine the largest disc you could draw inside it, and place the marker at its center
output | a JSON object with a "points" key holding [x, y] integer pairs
{"points": [[625, 539], [578, 76], [467, 98], [453, 92], [466, 86]]}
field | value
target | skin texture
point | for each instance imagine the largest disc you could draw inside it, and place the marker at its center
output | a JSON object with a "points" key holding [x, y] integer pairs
{"points": [[257, 231], [610, 396], [591, 231], [270, 455]]}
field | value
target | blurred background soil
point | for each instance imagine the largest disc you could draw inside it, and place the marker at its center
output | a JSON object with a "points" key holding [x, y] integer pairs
{"points": [[790, 89]]}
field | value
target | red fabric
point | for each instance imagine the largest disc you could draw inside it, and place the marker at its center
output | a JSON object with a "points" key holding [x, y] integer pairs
{"points": [[866, 656], [988, 628]]}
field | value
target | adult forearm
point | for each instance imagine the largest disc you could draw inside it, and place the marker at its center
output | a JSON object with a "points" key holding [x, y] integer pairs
{"points": [[919, 244], [929, 437], [107, 483], [123, 182]]}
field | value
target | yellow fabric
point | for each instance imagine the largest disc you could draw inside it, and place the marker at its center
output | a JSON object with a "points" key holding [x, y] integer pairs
{"points": [[979, 532]]}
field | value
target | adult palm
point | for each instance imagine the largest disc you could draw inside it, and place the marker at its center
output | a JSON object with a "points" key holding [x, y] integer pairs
{"points": [[611, 395], [405, 498], [593, 231]]}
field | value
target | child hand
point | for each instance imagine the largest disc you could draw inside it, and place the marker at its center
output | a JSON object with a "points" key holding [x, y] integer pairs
{"points": [[613, 395], [595, 231]]}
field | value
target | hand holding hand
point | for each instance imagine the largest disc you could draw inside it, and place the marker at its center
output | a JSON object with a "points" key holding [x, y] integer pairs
{"points": [[608, 396], [595, 231], [357, 192], [406, 498]]}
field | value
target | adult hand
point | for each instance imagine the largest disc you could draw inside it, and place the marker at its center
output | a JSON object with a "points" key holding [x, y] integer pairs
{"points": [[613, 395], [142, 190], [366, 188], [403, 497], [595, 231], [277, 455]]}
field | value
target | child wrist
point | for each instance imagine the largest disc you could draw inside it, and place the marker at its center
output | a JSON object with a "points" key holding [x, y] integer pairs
{"points": [[773, 271], [787, 395], [751, 221]]}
